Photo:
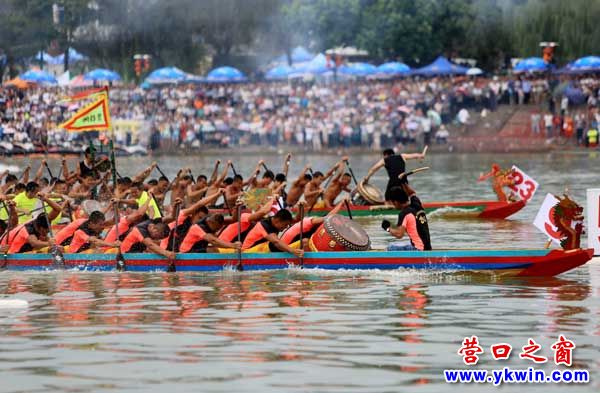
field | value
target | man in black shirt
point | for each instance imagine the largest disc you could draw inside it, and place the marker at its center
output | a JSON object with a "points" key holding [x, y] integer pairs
{"points": [[395, 165]]}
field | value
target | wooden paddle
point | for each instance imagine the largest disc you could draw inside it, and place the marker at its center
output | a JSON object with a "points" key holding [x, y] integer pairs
{"points": [[162, 173], [49, 171], [406, 174], [348, 209], [172, 268], [57, 255], [301, 232], [351, 172], [120, 260], [8, 229], [240, 266], [233, 169]]}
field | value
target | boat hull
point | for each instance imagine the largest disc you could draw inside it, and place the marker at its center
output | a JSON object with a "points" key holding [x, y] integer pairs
{"points": [[474, 209], [534, 263]]}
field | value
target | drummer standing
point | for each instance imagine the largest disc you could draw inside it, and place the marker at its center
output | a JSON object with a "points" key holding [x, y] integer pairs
{"points": [[395, 165]]}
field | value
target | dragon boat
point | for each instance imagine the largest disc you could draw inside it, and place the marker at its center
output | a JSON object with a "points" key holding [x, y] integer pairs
{"points": [[520, 263], [465, 209]]}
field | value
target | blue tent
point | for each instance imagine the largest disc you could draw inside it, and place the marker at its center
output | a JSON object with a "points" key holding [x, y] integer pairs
{"points": [[358, 69], [299, 55], [585, 64], [41, 77], [166, 75], [225, 74], [74, 57], [531, 64], [102, 74], [317, 66], [393, 68], [279, 72], [441, 66]]}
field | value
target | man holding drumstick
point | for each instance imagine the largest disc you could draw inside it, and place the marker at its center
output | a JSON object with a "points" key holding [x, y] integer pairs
{"points": [[395, 165]]}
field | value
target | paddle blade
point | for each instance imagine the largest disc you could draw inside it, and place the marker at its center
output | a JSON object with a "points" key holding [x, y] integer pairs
{"points": [[120, 264]]}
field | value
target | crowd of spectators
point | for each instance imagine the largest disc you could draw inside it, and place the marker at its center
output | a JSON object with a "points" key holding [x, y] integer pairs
{"points": [[367, 113]]}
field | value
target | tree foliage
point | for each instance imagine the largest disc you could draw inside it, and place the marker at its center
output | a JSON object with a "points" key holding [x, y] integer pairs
{"points": [[183, 32]]}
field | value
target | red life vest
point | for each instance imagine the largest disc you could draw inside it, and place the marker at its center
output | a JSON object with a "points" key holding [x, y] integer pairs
{"points": [[293, 233], [18, 238], [65, 235], [258, 233], [230, 233], [194, 240], [134, 241]]}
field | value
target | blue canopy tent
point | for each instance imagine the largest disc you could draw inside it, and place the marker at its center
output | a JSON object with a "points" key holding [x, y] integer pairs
{"points": [[531, 64], [358, 69], [586, 64], [225, 75], [102, 75], [278, 73], [40, 77], [299, 55], [393, 68], [441, 66], [317, 66], [74, 57], [166, 75]]}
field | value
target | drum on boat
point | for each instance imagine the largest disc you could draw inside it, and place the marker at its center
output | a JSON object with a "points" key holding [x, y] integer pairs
{"points": [[339, 233], [366, 194]]}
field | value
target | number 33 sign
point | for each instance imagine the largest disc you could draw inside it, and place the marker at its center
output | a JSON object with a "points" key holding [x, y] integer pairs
{"points": [[524, 186]]}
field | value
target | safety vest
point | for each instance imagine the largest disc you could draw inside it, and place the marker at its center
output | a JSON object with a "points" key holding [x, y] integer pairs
{"points": [[258, 233], [293, 233], [194, 240], [134, 241], [230, 233], [65, 235]]}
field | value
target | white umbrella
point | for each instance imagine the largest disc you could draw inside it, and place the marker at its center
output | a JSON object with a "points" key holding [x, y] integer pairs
{"points": [[474, 71]]}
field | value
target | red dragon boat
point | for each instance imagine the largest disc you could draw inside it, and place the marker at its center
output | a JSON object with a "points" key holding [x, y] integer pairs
{"points": [[536, 263]]}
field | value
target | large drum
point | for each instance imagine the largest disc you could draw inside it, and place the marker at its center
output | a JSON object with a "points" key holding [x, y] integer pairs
{"points": [[366, 194], [339, 233]]}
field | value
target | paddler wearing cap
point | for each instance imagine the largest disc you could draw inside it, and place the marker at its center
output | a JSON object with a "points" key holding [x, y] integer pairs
{"points": [[412, 220], [395, 165]]}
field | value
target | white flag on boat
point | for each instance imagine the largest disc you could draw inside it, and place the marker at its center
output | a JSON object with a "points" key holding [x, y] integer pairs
{"points": [[525, 187], [544, 220]]}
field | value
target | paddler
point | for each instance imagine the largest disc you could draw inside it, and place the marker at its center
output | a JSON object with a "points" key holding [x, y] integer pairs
{"points": [[83, 234], [339, 183], [31, 236], [309, 225], [412, 220], [146, 237], [127, 221], [139, 197], [247, 221], [263, 236], [395, 165], [11, 221], [313, 189], [187, 217], [202, 233], [297, 189]]}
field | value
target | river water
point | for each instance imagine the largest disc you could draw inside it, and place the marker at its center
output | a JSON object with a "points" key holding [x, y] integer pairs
{"points": [[309, 331]]}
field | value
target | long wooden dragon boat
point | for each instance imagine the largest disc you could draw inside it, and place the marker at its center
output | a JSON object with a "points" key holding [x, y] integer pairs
{"points": [[528, 263], [475, 209]]}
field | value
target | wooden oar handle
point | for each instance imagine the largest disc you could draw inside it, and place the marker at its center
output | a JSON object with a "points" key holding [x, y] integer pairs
{"points": [[406, 174]]}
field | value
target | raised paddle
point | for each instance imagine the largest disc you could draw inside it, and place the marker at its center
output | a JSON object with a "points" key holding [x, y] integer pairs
{"points": [[161, 173], [264, 166], [351, 172], [49, 171], [406, 174], [172, 268], [233, 169], [240, 266], [57, 255], [301, 232]]}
